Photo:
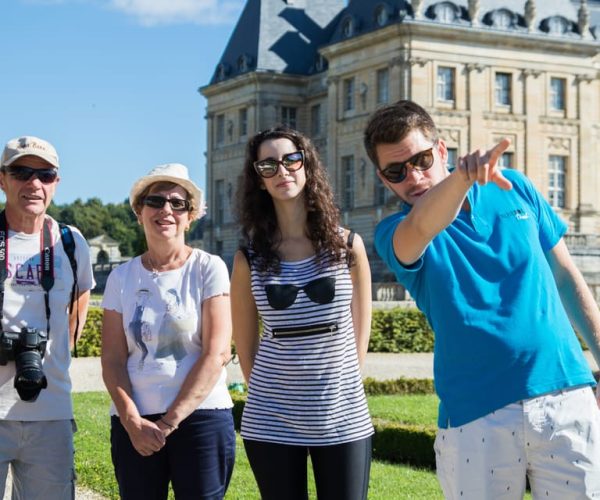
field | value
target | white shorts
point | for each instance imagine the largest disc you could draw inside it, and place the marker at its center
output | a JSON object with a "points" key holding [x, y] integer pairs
{"points": [[553, 439], [41, 459]]}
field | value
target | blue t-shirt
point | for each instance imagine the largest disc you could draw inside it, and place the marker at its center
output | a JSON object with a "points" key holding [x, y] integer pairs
{"points": [[485, 286]]}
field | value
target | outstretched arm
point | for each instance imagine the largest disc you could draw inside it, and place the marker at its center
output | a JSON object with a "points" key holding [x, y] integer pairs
{"points": [[577, 299], [439, 206]]}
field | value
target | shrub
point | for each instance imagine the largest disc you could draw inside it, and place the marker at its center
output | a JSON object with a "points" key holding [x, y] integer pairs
{"points": [[90, 341], [400, 330], [398, 386], [402, 443]]}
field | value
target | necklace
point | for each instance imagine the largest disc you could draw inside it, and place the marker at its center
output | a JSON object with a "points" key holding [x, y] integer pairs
{"points": [[157, 269]]}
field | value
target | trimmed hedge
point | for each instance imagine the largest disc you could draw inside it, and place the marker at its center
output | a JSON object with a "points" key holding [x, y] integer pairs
{"points": [[400, 330], [402, 443], [400, 385], [394, 442], [392, 330]]}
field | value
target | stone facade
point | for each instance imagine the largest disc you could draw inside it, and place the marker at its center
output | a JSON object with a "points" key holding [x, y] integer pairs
{"points": [[484, 70]]}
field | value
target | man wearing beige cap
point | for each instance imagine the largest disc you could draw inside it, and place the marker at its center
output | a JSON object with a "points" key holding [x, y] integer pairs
{"points": [[45, 282]]}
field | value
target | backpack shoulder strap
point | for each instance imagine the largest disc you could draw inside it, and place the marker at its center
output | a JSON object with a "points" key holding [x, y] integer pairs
{"points": [[66, 236]]}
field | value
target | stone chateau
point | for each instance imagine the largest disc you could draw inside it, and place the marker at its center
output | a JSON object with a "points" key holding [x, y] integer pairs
{"points": [[528, 70]]}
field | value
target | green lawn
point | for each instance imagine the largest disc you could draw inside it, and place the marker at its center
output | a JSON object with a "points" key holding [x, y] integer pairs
{"points": [[411, 409], [94, 467]]}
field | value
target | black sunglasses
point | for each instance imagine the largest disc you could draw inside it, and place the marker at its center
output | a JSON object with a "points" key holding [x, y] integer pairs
{"points": [[269, 167], [320, 291], [397, 172], [177, 204], [23, 174]]}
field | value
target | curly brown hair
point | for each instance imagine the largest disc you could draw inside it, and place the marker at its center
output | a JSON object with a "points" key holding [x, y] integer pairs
{"points": [[256, 212]]}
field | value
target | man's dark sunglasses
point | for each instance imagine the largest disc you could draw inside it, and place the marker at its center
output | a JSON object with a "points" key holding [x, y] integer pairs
{"points": [[269, 167], [23, 174], [177, 204], [397, 172]]}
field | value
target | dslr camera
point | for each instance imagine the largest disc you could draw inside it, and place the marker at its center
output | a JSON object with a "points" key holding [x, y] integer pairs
{"points": [[26, 348]]}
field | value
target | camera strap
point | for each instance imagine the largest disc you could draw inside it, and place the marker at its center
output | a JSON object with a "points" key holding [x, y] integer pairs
{"points": [[47, 263]]}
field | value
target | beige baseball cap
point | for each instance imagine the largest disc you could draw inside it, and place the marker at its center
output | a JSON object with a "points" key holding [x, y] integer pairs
{"points": [[29, 146], [177, 174]]}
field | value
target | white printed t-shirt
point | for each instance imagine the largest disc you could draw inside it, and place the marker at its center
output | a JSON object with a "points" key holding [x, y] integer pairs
{"points": [[24, 306], [162, 319]]}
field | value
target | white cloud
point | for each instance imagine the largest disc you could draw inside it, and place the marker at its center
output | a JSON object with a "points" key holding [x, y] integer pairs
{"points": [[152, 12]]}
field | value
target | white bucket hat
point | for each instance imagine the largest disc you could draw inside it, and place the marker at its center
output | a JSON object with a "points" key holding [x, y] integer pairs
{"points": [[28, 145], [177, 174]]}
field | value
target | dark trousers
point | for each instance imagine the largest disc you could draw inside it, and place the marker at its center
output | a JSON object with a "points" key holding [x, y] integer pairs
{"points": [[197, 459], [341, 471]]}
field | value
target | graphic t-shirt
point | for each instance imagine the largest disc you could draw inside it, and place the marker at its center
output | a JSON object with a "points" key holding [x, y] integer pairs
{"points": [[24, 307], [162, 319]]}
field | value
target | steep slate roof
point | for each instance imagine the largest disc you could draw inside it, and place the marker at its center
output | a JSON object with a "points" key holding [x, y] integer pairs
{"points": [[278, 35], [283, 36]]}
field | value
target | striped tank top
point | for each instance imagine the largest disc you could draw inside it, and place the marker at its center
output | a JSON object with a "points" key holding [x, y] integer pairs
{"points": [[305, 387]]}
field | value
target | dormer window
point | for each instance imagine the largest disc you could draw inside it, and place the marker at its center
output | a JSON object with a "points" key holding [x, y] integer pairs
{"points": [[502, 19], [557, 25], [445, 12], [222, 71], [320, 63], [382, 15], [243, 63], [348, 27]]}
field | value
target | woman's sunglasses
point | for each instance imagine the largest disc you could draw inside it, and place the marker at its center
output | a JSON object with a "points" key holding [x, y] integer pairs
{"points": [[269, 167], [177, 204], [397, 172], [23, 174]]}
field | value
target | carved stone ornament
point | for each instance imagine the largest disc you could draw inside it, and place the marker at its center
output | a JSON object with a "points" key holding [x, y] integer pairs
{"points": [[417, 6], [584, 19], [530, 12], [474, 12]]}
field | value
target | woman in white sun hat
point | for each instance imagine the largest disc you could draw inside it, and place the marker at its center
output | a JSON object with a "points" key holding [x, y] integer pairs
{"points": [[166, 337]]}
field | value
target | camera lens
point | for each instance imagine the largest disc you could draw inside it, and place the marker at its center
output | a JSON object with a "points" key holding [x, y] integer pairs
{"points": [[29, 378]]}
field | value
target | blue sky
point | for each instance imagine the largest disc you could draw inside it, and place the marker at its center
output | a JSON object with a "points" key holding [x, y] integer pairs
{"points": [[112, 84]]}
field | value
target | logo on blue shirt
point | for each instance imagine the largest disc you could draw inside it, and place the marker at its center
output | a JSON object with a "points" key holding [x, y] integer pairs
{"points": [[518, 214]]}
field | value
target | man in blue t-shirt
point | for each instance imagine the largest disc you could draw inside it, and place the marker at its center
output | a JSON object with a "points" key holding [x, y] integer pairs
{"points": [[482, 253]]}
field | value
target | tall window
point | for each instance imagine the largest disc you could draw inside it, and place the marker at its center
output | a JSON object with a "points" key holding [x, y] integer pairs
{"points": [[506, 160], [452, 157], [219, 202], [557, 94], [557, 167], [383, 85], [382, 194], [445, 83], [315, 120], [348, 94], [503, 88], [348, 182], [243, 122], [288, 116], [220, 132]]}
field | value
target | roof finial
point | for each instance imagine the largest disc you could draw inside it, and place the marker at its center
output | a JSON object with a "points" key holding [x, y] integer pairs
{"points": [[530, 14], [474, 12], [584, 19], [416, 7]]}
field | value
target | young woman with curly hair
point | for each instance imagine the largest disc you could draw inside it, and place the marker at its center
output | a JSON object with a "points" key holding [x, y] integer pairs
{"points": [[309, 281]]}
